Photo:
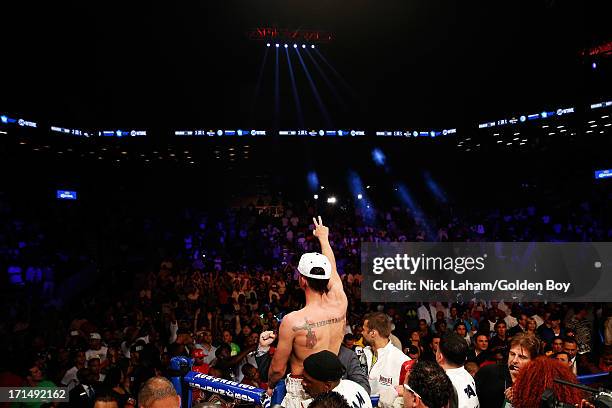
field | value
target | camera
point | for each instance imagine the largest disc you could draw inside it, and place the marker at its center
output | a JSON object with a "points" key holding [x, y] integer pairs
{"points": [[601, 398]]}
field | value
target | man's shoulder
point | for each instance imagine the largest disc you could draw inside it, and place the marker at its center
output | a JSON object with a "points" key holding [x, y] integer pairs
{"points": [[349, 385], [459, 373], [395, 352], [292, 317]]}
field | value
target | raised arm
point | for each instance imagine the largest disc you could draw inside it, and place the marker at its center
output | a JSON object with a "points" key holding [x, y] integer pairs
{"points": [[322, 233]]}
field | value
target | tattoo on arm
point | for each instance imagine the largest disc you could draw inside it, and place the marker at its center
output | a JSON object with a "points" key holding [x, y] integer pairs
{"points": [[311, 337]]}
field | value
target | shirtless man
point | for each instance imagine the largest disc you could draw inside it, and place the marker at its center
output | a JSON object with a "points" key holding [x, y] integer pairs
{"points": [[318, 326]]}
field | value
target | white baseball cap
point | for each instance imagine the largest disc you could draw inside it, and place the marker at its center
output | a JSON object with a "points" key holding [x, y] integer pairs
{"points": [[312, 260], [95, 336]]}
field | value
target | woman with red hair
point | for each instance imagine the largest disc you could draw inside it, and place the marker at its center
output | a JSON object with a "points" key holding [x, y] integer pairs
{"points": [[537, 376]]}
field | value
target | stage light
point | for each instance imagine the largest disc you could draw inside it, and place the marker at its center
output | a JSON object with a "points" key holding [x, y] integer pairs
{"points": [[312, 46], [544, 115], [294, 45], [322, 187], [523, 118], [316, 196], [368, 187], [303, 45], [277, 45], [331, 200], [313, 180], [379, 157], [594, 65], [359, 196], [286, 45], [268, 44], [4, 119]]}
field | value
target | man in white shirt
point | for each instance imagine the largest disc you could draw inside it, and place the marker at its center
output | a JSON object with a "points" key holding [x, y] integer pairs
{"points": [[205, 343], [96, 349], [323, 372], [382, 360], [451, 357], [426, 312], [70, 379]]}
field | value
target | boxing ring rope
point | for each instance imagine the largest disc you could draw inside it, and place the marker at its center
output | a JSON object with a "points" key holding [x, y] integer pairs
{"points": [[185, 381], [181, 368]]}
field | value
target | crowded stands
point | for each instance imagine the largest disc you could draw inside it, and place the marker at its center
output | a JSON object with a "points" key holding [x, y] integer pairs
{"points": [[220, 280]]}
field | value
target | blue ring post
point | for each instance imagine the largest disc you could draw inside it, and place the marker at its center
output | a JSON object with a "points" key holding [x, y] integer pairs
{"points": [[177, 364], [226, 388]]}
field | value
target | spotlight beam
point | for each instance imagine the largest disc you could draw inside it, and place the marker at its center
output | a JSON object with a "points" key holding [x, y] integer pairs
{"points": [[331, 87], [298, 105], [342, 80], [277, 91], [315, 92], [258, 85]]}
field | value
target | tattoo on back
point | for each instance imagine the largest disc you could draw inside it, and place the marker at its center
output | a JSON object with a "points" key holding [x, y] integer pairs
{"points": [[311, 337]]}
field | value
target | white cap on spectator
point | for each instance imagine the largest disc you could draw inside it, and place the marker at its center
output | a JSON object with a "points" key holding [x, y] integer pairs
{"points": [[312, 260], [95, 336]]}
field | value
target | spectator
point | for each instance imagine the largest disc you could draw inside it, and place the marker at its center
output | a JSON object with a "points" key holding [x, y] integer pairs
{"points": [[117, 385], [500, 340], [158, 392], [105, 401], [583, 328], [349, 341], [382, 359], [570, 346], [557, 346], [471, 367], [96, 349], [488, 325], [431, 347], [198, 361], [84, 394], [323, 372], [460, 329], [329, 399], [250, 376], [562, 356], [521, 327], [536, 377], [555, 331], [427, 387], [480, 352], [451, 356], [412, 351], [424, 330], [494, 382], [205, 343], [227, 339], [70, 378], [94, 365], [532, 326]]}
